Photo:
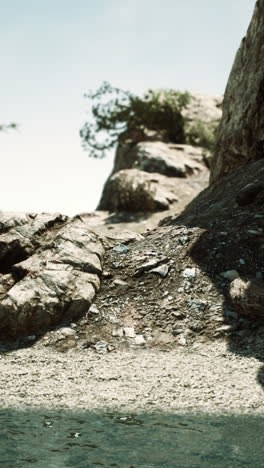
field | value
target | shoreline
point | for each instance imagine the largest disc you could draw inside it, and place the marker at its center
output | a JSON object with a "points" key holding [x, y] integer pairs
{"points": [[207, 379]]}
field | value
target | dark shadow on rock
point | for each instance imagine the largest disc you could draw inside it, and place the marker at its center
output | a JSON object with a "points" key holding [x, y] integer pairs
{"points": [[230, 215]]}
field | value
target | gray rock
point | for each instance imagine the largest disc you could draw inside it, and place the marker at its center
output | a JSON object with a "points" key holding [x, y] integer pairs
{"points": [[57, 278], [150, 265], [230, 274], [101, 346], [247, 296], [240, 137], [120, 249], [161, 270]]}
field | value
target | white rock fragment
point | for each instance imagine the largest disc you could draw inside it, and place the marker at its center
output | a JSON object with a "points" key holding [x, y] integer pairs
{"points": [[94, 309], [182, 340], [129, 332], [140, 340], [118, 332], [161, 270], [67, 331], [119, 282], [230, 274], [189, 273]]}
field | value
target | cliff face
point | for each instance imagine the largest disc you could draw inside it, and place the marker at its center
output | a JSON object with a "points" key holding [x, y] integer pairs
{"points": [[241, 133]]}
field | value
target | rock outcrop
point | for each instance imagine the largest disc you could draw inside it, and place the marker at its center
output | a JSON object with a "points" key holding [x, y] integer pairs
{"points": [[241, 133], [50, 271], [149, 172]]}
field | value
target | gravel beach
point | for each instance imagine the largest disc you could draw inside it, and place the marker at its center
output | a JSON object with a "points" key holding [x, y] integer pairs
{"points": [[203, 378]]}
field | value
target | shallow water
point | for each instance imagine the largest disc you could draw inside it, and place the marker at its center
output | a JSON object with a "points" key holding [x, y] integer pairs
{"points": [[42, 438]]}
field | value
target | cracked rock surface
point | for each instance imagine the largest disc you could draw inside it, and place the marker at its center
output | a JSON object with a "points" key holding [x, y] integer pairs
{"points": [[50, 271]]}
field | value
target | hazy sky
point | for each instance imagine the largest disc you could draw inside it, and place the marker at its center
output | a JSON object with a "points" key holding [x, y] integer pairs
{"points": [[53, 51]]}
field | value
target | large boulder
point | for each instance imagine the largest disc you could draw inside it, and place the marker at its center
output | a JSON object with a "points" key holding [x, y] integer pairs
{"points": [[144, 152], [132, 190], [241, 133], [168, 159], [50, 271], [159, 175]]}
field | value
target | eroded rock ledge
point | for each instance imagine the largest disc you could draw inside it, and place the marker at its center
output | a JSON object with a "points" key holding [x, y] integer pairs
{"points": [[50, 271]]}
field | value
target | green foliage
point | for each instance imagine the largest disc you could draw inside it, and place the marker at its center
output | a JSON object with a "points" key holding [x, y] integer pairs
{"points": [[4, 127], [115, 111], [202, 134]]}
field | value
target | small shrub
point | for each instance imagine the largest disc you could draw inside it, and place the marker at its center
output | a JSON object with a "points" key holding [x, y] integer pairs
{"points": [[202, 134], [115, 111]]}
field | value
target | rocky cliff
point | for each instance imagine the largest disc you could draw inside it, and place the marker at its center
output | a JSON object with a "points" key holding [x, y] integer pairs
{"points": [[241, 133]]}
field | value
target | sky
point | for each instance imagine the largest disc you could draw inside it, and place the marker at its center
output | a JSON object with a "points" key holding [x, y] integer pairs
{"points": [[54, 51]]}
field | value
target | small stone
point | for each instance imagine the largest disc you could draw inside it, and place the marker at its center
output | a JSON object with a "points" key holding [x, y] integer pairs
{"points": [[189, 273], [129, 332], [119, 282], [183, 240], [226, 328], [177, 331], [161, 270], [242, 261], [67, 331], [140, 340], [107, 274], [110, 348], [230, 274], [101, 346], [116, 265], [182, 340], [118, 332], [259, 275], [31, 337], [93, 309], [121, 249], [195, 304]]}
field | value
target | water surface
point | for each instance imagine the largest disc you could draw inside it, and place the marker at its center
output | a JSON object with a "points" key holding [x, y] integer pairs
{"points": [[42, 438]]}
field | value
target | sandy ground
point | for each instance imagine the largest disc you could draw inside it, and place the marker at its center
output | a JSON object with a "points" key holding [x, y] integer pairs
{"points": [[203, 378]]}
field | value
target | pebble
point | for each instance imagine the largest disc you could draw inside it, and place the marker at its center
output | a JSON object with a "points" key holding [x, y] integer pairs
{"points": [[129, 332], [118, 332], [119, 282], [94, 309], [67, 331], [195, 304], [230, 274], [161, 270], [140, 340], [189, 273], [259, 275], [121, 249], [226, 328], [182, 340], [101, 346]]}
